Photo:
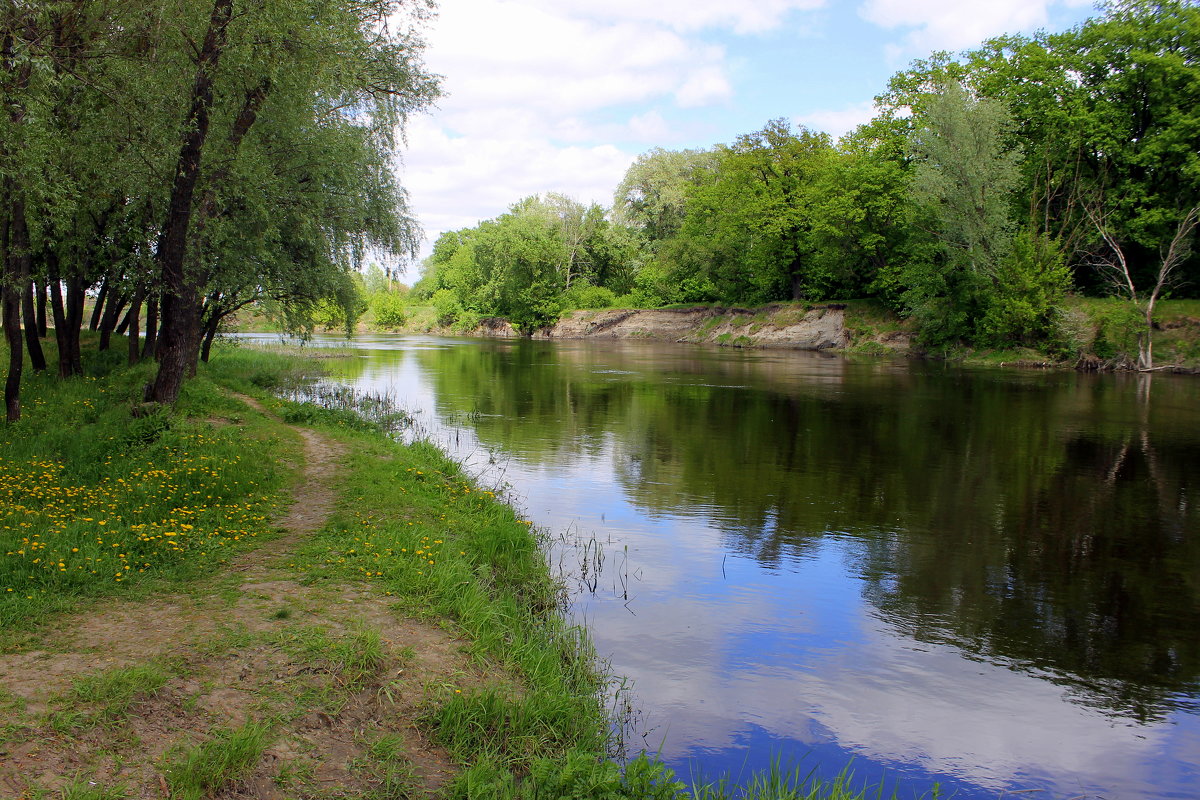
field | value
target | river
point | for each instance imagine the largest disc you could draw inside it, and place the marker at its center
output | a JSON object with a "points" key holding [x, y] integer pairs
{"points": [[983, 579]]}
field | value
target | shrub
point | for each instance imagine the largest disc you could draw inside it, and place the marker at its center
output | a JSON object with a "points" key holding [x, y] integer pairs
{"points": [[389, 310], [586, 296]]}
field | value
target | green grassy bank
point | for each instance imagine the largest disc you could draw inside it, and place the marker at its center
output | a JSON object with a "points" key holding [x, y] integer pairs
{"points": [[100, 506]]}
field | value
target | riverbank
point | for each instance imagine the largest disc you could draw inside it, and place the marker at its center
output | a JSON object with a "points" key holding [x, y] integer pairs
{"points": [[170, 629], [248, 597], [1094, 334], [777, 326]]}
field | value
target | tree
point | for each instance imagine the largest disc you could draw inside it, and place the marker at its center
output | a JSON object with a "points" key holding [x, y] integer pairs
{"points": [[1108, 108], [861, 214], [652, 197], [984, 287], [1138, 70], [309, 63], [1117, 270], [748, 224]]}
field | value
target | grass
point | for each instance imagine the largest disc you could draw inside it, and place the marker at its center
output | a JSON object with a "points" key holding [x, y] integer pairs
{"points": [[199, 771], [89, 790], [98, 503], [388, 766], [105, 698], [356, 658]]}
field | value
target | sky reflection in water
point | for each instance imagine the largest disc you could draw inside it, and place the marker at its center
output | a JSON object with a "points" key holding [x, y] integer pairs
{"points": [[941, 575]]}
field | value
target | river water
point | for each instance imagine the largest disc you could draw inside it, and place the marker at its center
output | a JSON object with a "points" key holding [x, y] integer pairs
{"points": [[983, 579]]}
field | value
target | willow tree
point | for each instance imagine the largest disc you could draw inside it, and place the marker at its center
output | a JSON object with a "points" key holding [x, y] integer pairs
{"points": [[260, 72], [994, 282]]}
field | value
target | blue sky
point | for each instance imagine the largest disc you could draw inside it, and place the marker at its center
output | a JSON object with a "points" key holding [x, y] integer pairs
{"points": [[562, 95]]}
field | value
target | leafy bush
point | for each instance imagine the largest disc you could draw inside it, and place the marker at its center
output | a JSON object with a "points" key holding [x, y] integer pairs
{"points": [[445, 302], [389, 310], [587, 296], [1023, 304], [1118, 327]]}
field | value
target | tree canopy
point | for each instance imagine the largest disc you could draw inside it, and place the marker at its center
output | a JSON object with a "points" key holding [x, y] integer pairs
{"points": [[195, 154], [989, 185]]}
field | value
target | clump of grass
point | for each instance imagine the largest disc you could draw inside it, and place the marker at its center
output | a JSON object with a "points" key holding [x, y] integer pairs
{"points": [[229, 755], [577, 774], [388, 768], [108, 696], [83, 789], [356, 657]]}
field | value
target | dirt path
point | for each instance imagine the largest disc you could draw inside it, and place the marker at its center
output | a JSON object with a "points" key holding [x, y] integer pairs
{"points": [[253, 643]]}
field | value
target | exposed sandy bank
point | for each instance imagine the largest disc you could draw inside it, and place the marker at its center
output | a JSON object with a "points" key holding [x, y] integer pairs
{"points": [[790, 327]]}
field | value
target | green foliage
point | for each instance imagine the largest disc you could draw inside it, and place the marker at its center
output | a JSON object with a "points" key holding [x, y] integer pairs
{"points": [[229, 755], [652, 197], [90, 790], [575, 776], [107, 696], [447, 305], [389, 309], [583, 295], [989, 284], [748, 226], [1118, 329], [1030, 285], [522, 264], [966, 177]]}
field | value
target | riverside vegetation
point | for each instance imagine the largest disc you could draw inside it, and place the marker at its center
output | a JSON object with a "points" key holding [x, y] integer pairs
{"points": [[396, 633], [990, 186]]}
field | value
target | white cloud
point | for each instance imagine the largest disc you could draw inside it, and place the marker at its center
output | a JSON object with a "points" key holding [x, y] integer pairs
{"points": [[838, 122], [957, 24], [496, 53], [690, 15], [704, 87], [455, 181], [541, 96]]}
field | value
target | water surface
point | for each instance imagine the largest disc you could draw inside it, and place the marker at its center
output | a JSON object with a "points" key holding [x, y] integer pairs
{"points": [[985, 579]]}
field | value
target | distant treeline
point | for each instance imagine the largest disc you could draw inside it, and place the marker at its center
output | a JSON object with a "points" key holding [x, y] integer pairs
{"points": [[988, 186]]}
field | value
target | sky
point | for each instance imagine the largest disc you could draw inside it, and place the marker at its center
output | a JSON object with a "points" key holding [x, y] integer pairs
{"points": [[563, 95]]}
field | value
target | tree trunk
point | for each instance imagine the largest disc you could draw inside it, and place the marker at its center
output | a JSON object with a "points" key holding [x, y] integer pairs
{"points": [[37, 358], [74, 353], [148, 349], [16, 353], [59, 314], [125, 319], [181, 327], [210, 333], [18, 249], [98, 309], [132, 318], [116, 303], [10, 311], [39, 291], [180, 295], [1145, 341]]}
